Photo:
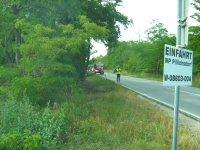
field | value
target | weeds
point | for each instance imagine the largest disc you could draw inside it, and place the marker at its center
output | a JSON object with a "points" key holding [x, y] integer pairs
{"points": [[107, 116], [196, 81], [126, 122], [20, 121]]}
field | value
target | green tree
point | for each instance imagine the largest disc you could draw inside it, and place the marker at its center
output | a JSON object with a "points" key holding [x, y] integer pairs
{"points": [[106, 14], [194, 34], [50, 43], [17, 10], [194, 45], [156, 33], [196, 4], [79, 40]]}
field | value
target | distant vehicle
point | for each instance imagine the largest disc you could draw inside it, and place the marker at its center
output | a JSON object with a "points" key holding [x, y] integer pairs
{"points": [[99, 68], [91, 68], [114, 70]]}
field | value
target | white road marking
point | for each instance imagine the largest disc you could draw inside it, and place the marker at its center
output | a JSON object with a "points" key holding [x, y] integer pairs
{"points": [[171, 106], [185, 92]]}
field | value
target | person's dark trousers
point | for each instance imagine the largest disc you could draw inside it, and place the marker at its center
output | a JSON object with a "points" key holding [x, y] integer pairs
{"points": [[118, 77]]}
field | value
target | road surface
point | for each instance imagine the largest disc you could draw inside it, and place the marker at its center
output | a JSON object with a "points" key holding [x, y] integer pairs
{"points": [[189, 97]]}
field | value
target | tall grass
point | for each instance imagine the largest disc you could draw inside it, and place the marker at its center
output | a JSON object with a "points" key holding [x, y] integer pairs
{"points": [[106, 117], [115, 118], [196, 81], [148, 76]]}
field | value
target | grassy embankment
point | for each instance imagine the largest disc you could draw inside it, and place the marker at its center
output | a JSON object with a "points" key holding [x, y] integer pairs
{"points": [[115, 118], [105, 116]]}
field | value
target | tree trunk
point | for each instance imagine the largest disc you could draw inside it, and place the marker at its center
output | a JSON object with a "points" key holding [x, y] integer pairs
{"points": [[7, 53], [18, 42], [88, 54], [16, 11], [83, 62], [158, 65]]}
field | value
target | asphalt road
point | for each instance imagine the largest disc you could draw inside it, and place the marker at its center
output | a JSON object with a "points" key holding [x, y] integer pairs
{"points": [[189, 97]]}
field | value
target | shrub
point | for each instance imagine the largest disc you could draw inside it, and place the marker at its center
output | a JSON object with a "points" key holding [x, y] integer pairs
{"points": [[23, 120], [25, 140]]}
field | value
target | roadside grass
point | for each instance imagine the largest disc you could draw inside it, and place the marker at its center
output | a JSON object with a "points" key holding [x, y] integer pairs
{"points": [[144, 76], [112, 117], [196, 81]]}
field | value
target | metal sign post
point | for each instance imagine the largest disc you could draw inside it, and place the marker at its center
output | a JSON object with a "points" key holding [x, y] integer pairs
{"points": [[176, 109], [181, 41], [178, 63]]}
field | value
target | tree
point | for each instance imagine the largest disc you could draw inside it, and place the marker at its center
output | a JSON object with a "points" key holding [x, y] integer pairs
{"points": [[33, 11], [79, 41], [194, 35], [51, 41], [193, 44], [106, 14], [156, 33], [196, 5], [17, 10], [103, 15]]}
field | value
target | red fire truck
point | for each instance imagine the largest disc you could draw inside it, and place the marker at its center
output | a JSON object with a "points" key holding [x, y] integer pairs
{"points": [[99, 68]]}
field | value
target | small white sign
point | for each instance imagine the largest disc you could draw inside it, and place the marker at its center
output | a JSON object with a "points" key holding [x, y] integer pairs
{"points": [[178, 65]]}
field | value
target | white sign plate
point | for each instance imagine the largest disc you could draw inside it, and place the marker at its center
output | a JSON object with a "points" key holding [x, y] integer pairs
{"points": [[178, 65]]}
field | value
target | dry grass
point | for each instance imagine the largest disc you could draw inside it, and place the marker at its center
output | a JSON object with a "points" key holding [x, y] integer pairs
{"points": [[196, 81], [118, 119]]}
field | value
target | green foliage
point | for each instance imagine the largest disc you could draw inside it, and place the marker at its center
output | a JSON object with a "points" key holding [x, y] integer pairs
{"points": [[7, 74], [106, 14], [88, 126], [26, 84], [195, 4], [51, 43], [25, 140], [41, 73], [98, 85], [107, 117], [79, 42], [141, 57], [193, 44], [51, 57], [32, 127], [156, 31]]}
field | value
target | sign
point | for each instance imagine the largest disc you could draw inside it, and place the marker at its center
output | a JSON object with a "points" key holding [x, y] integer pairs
{"points": [[178, 65]]}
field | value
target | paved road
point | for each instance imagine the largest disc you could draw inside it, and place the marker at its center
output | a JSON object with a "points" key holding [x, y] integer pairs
{"points": [[189, 97]]}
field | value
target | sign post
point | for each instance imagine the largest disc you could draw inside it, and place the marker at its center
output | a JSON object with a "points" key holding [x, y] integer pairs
{"points": [[178, 65], [178, 62]]}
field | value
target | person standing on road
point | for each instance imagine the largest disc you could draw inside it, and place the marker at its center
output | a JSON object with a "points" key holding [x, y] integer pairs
{"points": [[118, 70]]}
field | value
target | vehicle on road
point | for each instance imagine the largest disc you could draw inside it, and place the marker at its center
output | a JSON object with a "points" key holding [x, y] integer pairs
{"points": [[99, 68], [90, 68]]}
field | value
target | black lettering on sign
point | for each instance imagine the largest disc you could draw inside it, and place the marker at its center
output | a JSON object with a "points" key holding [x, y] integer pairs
{"points": [[177, 78]]}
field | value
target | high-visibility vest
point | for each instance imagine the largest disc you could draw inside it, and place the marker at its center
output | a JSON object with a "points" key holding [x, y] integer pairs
{"points": [[118, 71]]}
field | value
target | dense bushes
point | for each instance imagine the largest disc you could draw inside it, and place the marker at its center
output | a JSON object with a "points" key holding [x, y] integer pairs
{"points": [[24, 126]]}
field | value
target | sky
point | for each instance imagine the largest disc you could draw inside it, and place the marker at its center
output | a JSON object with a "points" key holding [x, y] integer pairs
{"points": [[142, 12]]}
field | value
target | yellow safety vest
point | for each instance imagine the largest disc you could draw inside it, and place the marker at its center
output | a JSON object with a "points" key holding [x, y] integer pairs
{"points": [[118, 71]]}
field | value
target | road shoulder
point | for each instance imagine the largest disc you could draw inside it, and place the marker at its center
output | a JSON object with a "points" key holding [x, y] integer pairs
{"points": [[191, 123]]}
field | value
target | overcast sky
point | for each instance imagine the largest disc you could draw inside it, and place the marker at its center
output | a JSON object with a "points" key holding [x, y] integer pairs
{"points": [[142, 12]]}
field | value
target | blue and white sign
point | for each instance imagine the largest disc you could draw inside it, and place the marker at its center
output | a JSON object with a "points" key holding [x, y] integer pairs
{"points": [[178, 65]]}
